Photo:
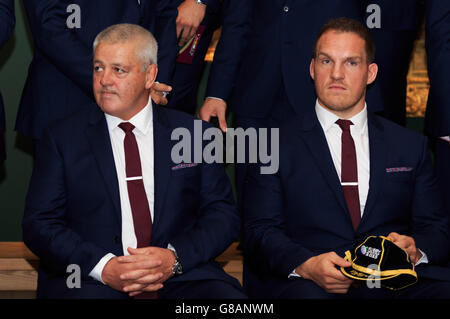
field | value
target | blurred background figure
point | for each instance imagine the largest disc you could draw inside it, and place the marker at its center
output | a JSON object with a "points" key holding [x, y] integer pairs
{"points": [[437, 117]]}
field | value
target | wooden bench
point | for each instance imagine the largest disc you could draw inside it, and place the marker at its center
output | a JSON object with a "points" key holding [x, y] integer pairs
{"points": [[18, 269]]}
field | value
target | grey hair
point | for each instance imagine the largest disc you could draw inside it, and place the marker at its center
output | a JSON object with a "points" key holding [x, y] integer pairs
{"points": [[124, 32]]}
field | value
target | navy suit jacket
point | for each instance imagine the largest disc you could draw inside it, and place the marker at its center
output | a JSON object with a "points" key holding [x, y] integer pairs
{"points": [[60, 75], [279, 51], [7, 22], [394, 40], [301, 212], [73, 213], [437, 118]]}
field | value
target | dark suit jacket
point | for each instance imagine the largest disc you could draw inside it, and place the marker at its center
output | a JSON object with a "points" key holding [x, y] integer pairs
{"points": [[73, 214], [234, 18], [394, 40], [437, 119], [60, 75], [301, 212], [7, 22], [279, 51]]}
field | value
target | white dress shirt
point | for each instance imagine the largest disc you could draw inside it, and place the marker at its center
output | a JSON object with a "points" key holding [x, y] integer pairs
{"points": [[360, 134], [143, 122]]}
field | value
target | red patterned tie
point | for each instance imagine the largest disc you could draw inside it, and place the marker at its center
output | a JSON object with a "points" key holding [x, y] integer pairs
{"points": [[140, 209], [349, 173]]}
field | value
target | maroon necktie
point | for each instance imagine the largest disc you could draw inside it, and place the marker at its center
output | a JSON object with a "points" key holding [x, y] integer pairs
{"points": [[140, 209], [349, 173]]}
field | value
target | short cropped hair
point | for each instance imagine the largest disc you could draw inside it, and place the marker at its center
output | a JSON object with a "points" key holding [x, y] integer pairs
{"points": [[121, 33], [348, 25]]}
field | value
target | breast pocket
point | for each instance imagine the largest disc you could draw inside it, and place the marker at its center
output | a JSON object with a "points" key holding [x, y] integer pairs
{"points": [[399, 177]]}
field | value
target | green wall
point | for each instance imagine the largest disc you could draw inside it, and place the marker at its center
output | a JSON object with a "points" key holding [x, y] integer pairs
{"points": [[16, 171], [15, 57]]}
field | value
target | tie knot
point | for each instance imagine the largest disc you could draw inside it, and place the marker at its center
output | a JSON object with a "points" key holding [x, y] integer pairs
{"points": [[344, 124], [127, 127]]}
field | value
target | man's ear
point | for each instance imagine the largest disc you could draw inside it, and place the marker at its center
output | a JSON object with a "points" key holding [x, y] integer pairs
{"points": [[372, 74], [150, 75], [311, 68]]}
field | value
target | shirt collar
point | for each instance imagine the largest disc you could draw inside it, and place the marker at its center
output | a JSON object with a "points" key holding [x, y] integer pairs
{"points": [[328, 119], [142, 120]]}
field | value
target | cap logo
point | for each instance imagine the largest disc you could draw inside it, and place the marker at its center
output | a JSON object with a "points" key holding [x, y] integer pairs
{"points": [[370, 252]]}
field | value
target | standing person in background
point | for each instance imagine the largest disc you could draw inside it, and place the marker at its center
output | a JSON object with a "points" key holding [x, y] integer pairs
{"points": [[7, 22], [59, 79], [394, 26], [437, 117], [196, 23]]}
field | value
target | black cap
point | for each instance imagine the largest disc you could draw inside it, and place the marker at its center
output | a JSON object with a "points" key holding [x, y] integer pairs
{"points": [[377, 258]]}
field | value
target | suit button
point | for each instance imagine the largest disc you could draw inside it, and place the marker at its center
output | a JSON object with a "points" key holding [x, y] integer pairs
{"points": [[117, 239], [285, 8]]}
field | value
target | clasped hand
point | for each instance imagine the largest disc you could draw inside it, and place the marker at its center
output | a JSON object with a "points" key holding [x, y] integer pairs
{"points": [[145, 269]]}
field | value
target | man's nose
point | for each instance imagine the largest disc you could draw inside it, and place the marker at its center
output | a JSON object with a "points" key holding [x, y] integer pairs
{"points": [[337, 73], [106, 78]]}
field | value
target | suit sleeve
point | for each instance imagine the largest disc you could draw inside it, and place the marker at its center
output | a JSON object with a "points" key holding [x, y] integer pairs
{"points": [[165, 33], [7, 20], [265, 241], [44, 226], [437, 40], [429, 220], [236, 19], [72, 57]]}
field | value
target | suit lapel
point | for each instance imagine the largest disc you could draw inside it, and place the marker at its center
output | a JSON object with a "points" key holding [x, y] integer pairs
{"points": [[378, 153], [314, 138], [162, 160], [98, 137]]}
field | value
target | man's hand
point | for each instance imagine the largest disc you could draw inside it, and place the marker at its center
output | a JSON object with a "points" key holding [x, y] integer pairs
{"points": [[158, 93], [140, 280], [214, 107], [321, 269], [408, 244], [190, 15], [114, 273]]}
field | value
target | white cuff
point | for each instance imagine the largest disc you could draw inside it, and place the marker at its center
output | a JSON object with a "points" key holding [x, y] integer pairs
{"points": [[423, 259], [294, 274], [96, 273]]}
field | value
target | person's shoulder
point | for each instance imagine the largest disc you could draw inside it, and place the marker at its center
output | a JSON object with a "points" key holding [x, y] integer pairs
{"points": [[75, 122], [397, 132]]}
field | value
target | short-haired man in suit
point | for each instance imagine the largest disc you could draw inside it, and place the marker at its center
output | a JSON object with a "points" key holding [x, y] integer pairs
{"points": [[345, 174], [7, 22], [106, 195]]}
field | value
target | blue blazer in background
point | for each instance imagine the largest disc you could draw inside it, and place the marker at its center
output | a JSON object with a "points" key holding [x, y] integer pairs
{"points": [[7, 22], [73, 213], [400, 23], [437, 118], [301, 211], [279, 51], [60, 74]]}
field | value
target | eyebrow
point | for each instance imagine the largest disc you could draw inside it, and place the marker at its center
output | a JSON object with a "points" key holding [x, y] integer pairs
{"points": [[346, 58]]}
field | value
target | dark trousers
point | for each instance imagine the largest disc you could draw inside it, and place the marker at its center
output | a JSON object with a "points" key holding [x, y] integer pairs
{"points": [[281, 111], [201, 289], [423, 289]]}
